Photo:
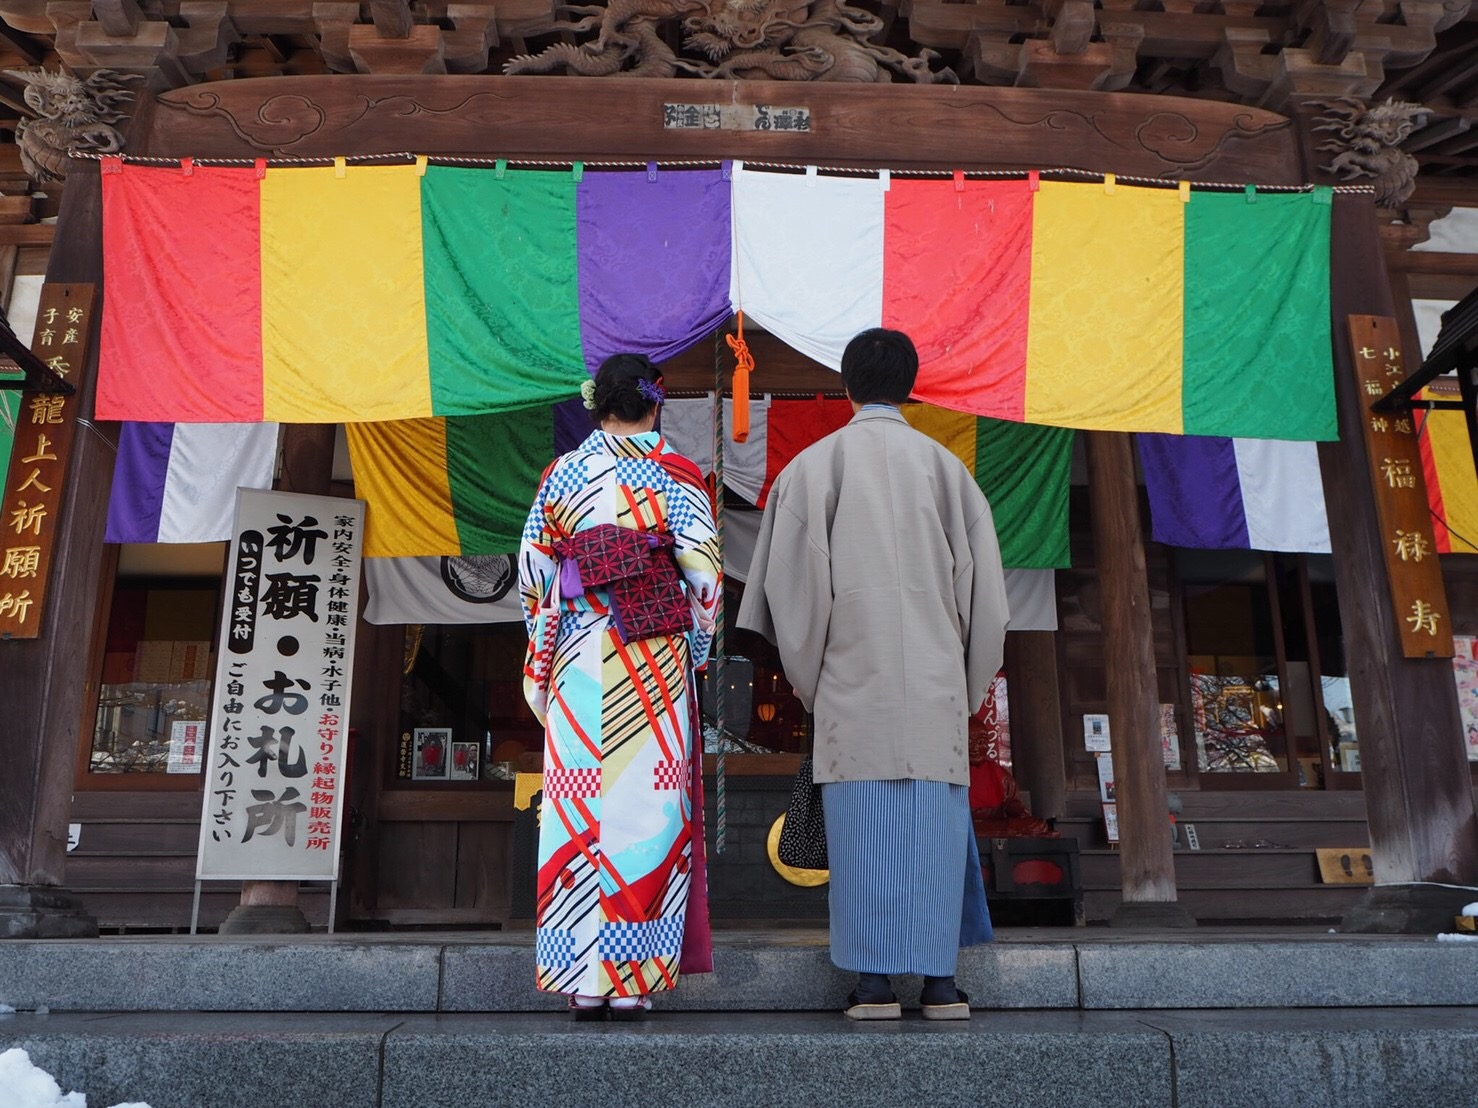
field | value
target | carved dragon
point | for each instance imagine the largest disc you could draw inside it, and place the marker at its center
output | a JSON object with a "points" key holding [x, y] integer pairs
{"points": [[627, 44], [1368, 144], [794, 40], [71, 114]]}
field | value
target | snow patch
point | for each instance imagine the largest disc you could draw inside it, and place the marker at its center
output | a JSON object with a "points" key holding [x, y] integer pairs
{"points": [[1451, 937], [1470, 909], [33, 1087], [6, 1010]]}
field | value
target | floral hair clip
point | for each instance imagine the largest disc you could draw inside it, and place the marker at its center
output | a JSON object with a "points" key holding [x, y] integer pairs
{"points": [[587, 393], [652, 391]]}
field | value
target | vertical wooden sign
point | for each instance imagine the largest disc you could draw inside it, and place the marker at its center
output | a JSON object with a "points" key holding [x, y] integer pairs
{"points": [[39, 458], [1400, 493]]}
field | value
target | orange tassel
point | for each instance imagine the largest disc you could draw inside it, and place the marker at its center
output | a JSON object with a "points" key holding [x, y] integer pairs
{"points": [[744, 362]]}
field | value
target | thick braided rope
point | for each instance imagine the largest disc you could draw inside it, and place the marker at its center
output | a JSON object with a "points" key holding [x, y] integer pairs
{"points": [[719, 673]]}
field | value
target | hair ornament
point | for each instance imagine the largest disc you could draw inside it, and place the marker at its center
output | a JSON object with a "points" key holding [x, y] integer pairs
{"points": [[587, 393], [651, 391]]}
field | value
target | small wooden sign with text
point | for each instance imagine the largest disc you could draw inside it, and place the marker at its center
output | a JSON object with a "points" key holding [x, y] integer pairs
{"points": [[39, 457], [1415, 578]]}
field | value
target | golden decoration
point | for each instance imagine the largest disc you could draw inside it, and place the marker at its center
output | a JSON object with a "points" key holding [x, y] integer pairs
{"points": [[806, 878]]}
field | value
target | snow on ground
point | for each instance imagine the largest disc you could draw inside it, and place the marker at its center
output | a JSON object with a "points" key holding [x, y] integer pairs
{"points": [[1456, 937], [33, 1087]]}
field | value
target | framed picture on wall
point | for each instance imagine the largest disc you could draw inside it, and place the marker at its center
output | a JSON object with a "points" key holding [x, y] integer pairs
{"points": [[431, 755], [463, 765]]}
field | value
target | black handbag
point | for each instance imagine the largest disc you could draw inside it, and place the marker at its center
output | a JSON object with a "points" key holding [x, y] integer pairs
{"points": [[803, 834]]}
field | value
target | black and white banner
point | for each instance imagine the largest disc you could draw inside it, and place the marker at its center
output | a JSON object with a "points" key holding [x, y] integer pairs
{"points": [[280, 713], [485, 589]]}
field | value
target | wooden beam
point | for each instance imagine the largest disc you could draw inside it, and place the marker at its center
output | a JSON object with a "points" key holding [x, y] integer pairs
{"points": [[27, 234], [42, 714], [392, 18], [1418, 792], [901, 126], [1146, 862], [119, 18], [1436, 263]]}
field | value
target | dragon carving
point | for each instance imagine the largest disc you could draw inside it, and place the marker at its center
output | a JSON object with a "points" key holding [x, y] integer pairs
{"points": [[1368, 144], [786, 40], [71, 114]]}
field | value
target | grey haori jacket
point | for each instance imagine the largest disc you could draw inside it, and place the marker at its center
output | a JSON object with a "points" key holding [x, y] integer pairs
{"points": [[878, 576]]}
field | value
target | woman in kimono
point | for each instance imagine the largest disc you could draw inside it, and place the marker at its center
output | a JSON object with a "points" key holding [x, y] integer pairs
{"points": [[618, 855]]}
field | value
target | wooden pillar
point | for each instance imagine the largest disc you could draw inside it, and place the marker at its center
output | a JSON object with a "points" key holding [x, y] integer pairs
{"points": [[46, 680], [1038, 761], [271, 907], [1414, 769], [1146, 861]]}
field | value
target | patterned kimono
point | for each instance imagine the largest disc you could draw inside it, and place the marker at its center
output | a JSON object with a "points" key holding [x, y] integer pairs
{"points": [[615, 835]]}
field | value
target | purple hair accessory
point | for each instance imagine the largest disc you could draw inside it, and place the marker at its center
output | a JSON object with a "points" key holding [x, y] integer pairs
{"points": [[652, 391]]}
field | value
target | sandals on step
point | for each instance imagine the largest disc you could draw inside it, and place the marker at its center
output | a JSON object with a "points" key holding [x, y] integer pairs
{"points": [[872, 1010], [951, 1010]]}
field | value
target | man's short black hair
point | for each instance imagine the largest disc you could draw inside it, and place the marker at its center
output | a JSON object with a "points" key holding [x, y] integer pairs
{"points": [[880, 366]]}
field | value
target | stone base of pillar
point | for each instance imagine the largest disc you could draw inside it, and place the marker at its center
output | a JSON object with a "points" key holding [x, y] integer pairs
{"points": [[1149, 914], [265, 919], [1418, 908], [43, 912]]}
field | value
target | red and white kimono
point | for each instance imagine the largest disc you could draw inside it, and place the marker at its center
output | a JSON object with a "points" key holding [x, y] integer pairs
{"points": [[620, 871]]}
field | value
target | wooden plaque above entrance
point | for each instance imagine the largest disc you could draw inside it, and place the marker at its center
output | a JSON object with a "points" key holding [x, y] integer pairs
{"points": [[899, 126]]}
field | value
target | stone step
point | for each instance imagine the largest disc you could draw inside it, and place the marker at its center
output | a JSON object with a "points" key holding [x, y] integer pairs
{"points": [[1090, 969], [1367, 1058]]}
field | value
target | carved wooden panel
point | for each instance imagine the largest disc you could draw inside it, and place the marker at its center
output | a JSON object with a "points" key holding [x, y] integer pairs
{"points": [[569, 117]]}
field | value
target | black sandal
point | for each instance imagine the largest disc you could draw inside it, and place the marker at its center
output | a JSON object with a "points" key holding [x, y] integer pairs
{"points": [[588, 1013]]}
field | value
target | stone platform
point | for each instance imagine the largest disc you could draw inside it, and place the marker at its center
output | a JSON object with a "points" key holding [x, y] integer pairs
{"points": [[1064, 1018], [755, 971]]}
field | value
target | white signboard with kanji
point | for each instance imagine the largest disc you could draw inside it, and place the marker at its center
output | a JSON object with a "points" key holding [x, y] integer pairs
{"points": [[279, 719]]}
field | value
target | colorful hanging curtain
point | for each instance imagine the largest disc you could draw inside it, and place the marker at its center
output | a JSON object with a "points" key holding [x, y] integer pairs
{"points": [[456, 485], [1082, 305], [1452, 484], [378, 293], [1022, 469], [1234, 494], [177, 482]]}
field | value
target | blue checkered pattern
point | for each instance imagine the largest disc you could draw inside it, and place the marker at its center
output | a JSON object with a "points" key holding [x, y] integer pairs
{"points": [[554, 949], [639, 473], [679, 507], [567, 476], [636, 942]]}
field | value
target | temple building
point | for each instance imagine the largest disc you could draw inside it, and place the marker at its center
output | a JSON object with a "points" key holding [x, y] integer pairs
{"points": [[1165, 263]]}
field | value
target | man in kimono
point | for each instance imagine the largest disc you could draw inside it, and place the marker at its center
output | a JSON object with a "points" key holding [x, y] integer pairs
{"points": [[878, 576]]}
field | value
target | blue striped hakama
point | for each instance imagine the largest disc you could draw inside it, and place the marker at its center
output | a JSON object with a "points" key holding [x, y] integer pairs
{"points": [[906, 888]]}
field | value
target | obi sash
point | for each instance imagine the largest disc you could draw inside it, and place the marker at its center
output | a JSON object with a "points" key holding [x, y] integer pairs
{"points": [[639, 571]]}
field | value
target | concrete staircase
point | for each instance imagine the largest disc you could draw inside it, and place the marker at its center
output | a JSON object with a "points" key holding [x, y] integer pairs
{"points": [[1070, 1017]]}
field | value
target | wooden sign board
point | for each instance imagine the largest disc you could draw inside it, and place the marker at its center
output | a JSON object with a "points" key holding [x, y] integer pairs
{"points": [[1346, 865], [1391, 447], [39, 458]]}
